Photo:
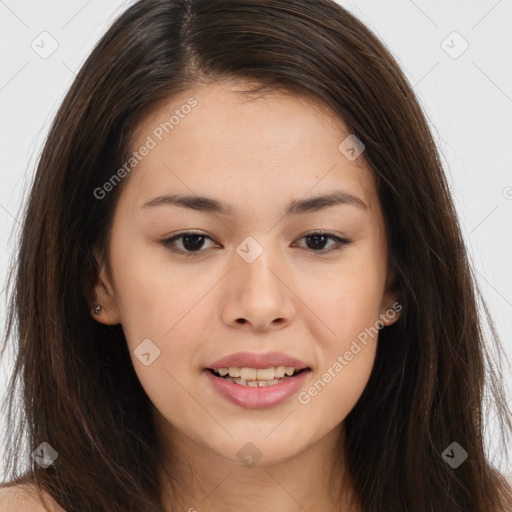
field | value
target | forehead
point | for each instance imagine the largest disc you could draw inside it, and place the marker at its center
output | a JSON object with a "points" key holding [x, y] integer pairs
{"points": [[275, 144]]}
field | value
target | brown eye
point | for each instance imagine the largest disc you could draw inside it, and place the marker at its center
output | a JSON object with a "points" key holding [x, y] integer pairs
{"points": [[190, 241], [193, 242], [317, 241]]}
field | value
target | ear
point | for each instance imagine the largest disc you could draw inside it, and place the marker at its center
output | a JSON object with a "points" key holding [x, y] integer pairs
{"points": [[104, 296], [391, 305]]}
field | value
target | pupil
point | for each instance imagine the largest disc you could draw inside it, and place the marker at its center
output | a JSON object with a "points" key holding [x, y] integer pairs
{"points": [[194, 245], [194, 242], [316, 237]]}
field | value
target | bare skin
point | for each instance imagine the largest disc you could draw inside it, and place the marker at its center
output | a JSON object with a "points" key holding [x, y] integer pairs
{"points": [[301, 297]]}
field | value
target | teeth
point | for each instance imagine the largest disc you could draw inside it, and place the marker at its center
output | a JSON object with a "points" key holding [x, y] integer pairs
{"points": [[248, 373], [234, 372], [280, 371], [265, 374], [258, 383], [257, 377], [274, 372]]}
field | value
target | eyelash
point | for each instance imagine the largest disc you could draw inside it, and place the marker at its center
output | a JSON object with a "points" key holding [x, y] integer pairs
{"points": [[168, 242]]}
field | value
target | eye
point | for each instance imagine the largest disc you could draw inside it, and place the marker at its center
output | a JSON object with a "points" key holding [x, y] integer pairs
{"points": [[318, 240], [193, 242]]}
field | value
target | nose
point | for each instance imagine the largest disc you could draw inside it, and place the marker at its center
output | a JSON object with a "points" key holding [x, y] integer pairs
{"points": [[258, 295]]}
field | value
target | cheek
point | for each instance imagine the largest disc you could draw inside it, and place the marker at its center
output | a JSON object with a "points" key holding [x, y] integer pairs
{"points": [[340, 380], [346, 339], [152, 295], [347, 300], [160, 313], [335, 391]]}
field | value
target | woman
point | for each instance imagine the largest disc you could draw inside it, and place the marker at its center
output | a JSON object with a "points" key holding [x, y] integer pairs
{"points": [[241, 281]]}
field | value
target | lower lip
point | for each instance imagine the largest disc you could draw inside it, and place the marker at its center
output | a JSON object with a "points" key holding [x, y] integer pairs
{"points": [[256, 397]]}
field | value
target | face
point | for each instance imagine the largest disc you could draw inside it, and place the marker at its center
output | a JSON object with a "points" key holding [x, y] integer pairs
{"points": [[266, 272]]}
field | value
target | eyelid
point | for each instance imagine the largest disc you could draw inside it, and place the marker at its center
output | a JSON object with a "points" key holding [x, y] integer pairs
{"points": [[168, 241], [340, 242]]}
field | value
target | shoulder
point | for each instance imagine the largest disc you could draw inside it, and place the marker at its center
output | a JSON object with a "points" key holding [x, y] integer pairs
{"points": [[24, 498]]}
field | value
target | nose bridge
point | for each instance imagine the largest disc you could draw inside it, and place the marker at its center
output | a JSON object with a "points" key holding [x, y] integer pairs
{"points": [[255, 259], [260, 295]]}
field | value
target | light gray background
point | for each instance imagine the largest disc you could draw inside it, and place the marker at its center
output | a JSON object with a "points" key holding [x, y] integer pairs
{"points": [[468, 101]]}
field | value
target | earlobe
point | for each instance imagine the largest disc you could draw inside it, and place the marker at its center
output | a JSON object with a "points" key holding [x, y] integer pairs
{"points": [[390, 311], [391, 306], [104, 308], [103, 316]]}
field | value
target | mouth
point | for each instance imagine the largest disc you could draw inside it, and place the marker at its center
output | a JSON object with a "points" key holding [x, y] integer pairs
{"points": [[257, 388], [258, 377], [256, 381]]}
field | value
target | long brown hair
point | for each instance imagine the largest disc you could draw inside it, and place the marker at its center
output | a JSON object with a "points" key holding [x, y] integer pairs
{"points": [[78, 389]]}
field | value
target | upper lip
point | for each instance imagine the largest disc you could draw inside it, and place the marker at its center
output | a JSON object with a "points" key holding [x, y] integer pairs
{"points": [[258, 361]]}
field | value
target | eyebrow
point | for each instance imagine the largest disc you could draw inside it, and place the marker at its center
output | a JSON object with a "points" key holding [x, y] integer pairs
{"points": [[295, 207]]}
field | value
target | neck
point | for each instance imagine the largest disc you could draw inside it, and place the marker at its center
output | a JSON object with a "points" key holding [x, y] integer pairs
{"points": [[205, 481]]}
